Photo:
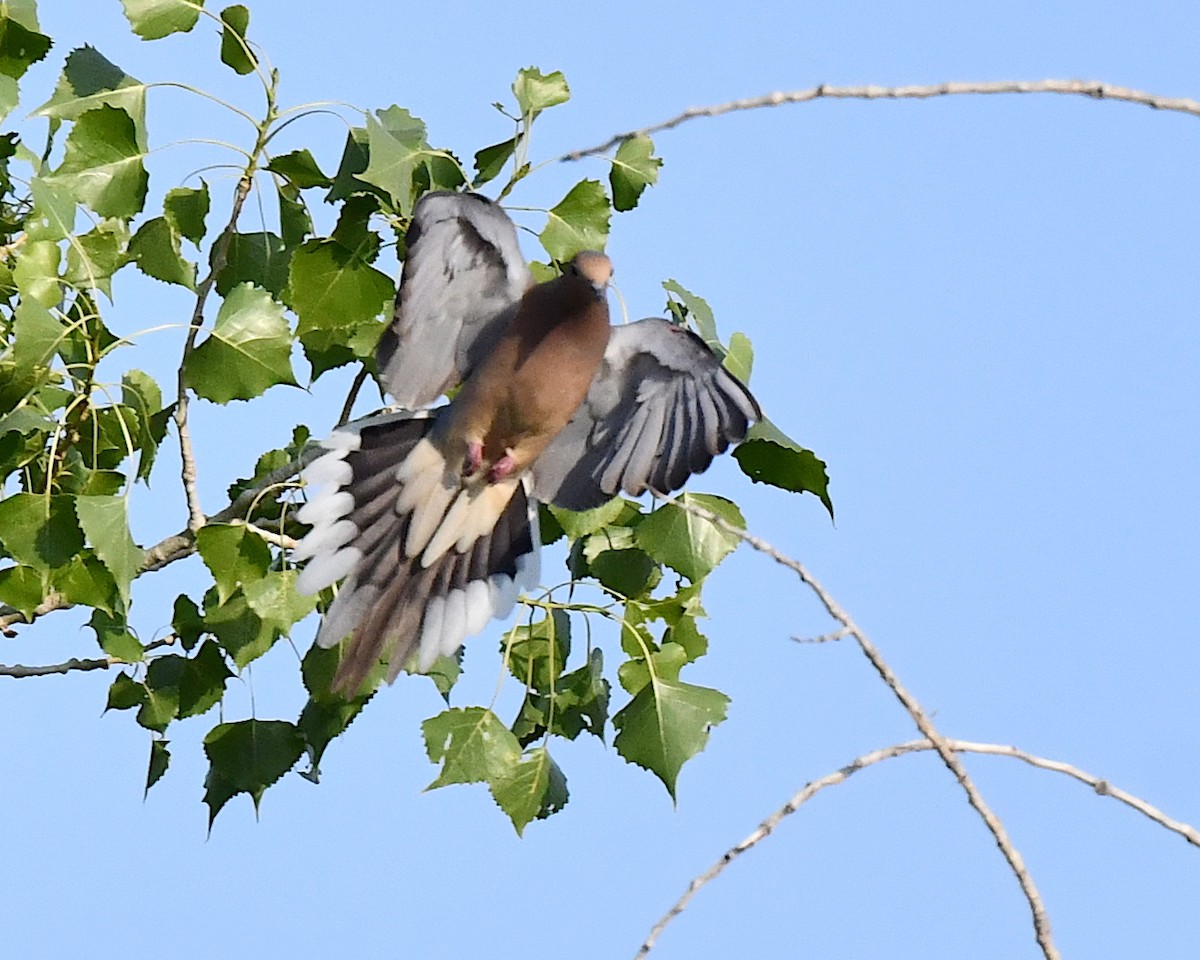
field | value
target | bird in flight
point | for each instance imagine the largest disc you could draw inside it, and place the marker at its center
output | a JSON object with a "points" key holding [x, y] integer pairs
{"points": [[431, 516]]}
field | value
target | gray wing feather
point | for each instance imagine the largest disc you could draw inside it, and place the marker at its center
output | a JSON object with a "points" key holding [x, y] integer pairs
{"points": [[659, 409], [462, 279]]}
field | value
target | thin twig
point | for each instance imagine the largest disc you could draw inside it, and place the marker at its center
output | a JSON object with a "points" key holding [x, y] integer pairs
{"points": [[1102, 787], [74, 664], [359, 379], [839, 634], [1085, 88], [219, 258], [1041, 923]]}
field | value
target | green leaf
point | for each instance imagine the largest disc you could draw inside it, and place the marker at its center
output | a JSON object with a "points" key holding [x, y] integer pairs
{"points": [[23, 11], [187, 621], [689, 544], [103, 165], [160, 759], [328, 714], [202, 680], [88, 81], [155, 19], [581, 523], [86, 581], [161, 705], [396, 146], [53, 213], [38, 531], [248, 352], [684, 305], [106, 525], [112, 633], [186, 209], [239, 630], [666, 724], [235, 51], [38, 335], [95, 256], [354, 161], [20, 47], [578, 222], [234, 554], [537, 652], [490, 161], [141, 393], [156, 249], [299, 168], [581, 701], [295, 223], [258, 258], [247, 757], [628, 573], [534, 787], [36, 273], [633, 169], [22, 588], [740, 359], [275, 600], [768, 455], [472, 745], [125, 693], [536, 91]]}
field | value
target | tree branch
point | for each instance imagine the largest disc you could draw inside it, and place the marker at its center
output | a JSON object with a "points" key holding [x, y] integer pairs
{"points": [[1041, 923], [74, 664], [1084, 88], [767, 827], [179, 545]]}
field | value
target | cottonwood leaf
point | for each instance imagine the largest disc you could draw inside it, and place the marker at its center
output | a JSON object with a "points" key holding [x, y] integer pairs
{"points": [[275, 599], [577, 222], [247, 757], [396, 146], [538, 652], [142, 394], [685, 305], [53, 213], [161, 704], [125, 693], [160, 759], [36, 273], [634, 168], [240, 631], [37, 335], [235, 51], [112, 633], [20, 47], [768, 455], [259, 258], [491, 160], [536, 91], [328, 714], [95, 256], [472, 744], [234, 555], [105, 523], [689, 544], [202, 680], [248, 351], [89, 80], [739, 359], [40, 532], [186, 209], [102, 166], [534, 788], [300, 168], [666, 724], [155, 19], [156, 249]]}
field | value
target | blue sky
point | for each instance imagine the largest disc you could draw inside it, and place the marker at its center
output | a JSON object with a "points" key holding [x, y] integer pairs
{"points": [[981, 312]]}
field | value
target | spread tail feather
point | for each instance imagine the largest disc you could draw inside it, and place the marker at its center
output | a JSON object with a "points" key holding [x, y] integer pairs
{"points": [[427, 561]]}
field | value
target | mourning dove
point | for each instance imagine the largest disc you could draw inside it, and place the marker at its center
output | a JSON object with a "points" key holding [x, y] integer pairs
{"points": [[431, 516]]}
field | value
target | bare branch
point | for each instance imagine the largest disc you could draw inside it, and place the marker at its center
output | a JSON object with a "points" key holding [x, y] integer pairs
{"points": [[1041, 923], [840, 634], [1084, 88], [74, 664], [810, 789]]}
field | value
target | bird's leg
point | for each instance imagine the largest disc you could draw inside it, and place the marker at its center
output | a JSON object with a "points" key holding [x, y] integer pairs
{"points": [[503, 468], [473, 459]]}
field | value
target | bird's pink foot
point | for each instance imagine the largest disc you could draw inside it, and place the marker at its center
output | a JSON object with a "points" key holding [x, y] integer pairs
{"points": [[473, 459], [502, 468]]}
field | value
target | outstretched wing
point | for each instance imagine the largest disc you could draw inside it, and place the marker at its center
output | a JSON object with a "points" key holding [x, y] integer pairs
{"points": [[659, 409], [462, 278]]}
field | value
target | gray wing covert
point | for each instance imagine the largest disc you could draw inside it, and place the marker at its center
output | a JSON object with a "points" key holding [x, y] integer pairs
{"points": [[462, 277], [659, 409]]}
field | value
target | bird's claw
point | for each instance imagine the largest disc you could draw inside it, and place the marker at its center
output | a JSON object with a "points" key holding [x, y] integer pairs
{"points": [[502, 468], [473, 459]]}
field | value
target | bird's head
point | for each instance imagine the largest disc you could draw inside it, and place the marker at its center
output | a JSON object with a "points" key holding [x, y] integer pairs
{"points": [[594, 267]]}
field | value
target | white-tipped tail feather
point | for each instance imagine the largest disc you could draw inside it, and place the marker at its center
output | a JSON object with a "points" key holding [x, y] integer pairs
{"points": [[427, 560]]}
